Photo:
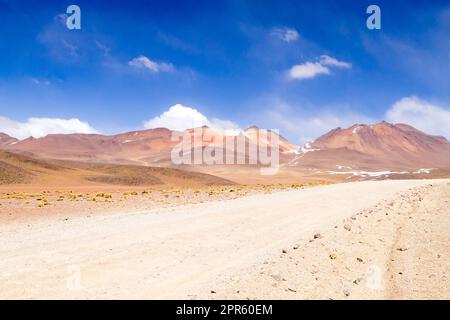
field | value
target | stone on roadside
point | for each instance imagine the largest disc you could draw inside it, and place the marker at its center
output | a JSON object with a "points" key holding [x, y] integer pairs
{"points": [[318, 236]]}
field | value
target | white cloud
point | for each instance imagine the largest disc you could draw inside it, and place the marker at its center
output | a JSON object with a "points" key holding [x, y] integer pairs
{"points": [[71, 48], [142, 62], [285, 34], [330, 61], [228, 126], [41, 81], [40, 127], [422, 115], [301, 126], [309, 70], [309, 128], [179, 117], [104, 49], [61, 18]]}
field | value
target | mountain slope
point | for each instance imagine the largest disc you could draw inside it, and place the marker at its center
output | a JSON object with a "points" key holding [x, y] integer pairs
{"points": [[381, 145], [6, 140], [132, 147], [147, 147], [378, 146], [16, 168], [20, 169]]}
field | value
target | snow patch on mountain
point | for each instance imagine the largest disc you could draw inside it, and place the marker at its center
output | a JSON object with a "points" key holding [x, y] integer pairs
{"points": [[423, 170], [356, 129], [367, 173]]}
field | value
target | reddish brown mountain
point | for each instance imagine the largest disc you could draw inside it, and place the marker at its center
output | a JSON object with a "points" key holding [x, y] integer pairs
{"points": [[148, 147], [378, 146], [139, 147], [6, 140], [252, 133], [381, 145]]}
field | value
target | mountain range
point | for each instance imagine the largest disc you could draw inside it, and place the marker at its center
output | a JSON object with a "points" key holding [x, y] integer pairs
{"points": [[378, 146]]}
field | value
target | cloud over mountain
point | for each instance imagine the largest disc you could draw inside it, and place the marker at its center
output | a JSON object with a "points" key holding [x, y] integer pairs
{"points": [[180, 117], [421, 114], [40, 127]]}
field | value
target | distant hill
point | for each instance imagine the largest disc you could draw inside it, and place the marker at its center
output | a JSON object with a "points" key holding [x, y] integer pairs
{"points": [[6, 140], [19, 169], [148, 147], [378, 146]]}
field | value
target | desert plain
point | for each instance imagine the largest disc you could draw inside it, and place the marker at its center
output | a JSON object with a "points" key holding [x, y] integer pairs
{"points": [[356, 240]]}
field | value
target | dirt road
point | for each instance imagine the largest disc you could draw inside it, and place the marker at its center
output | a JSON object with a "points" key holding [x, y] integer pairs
{"points": [[209, 250]]}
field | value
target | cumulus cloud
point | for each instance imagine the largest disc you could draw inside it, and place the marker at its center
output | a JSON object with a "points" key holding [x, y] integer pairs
{"points": [[180, 117], [422, 115], [40, 127], [142, 62], [309, 70], [285, 34]]}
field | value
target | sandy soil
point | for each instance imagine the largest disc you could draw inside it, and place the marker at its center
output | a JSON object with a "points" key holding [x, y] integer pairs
{"points": [[397, 249], [28, 205], [386, 239]]}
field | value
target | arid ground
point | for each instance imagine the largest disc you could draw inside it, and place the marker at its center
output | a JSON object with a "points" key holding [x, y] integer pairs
{"points": [[358, 240]]}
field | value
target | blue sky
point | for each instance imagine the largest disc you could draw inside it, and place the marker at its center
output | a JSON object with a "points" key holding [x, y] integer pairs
{"points": [[234, 62]]}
